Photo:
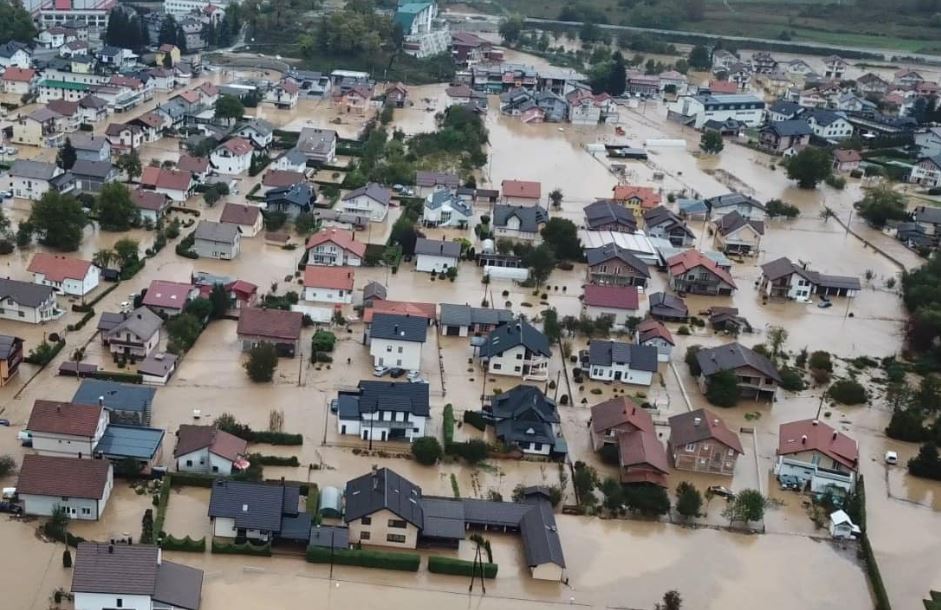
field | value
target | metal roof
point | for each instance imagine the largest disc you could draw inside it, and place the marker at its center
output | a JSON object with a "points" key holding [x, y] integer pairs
{"points": [[373, 396], [398, 328], [732, 356], [130, 441], [252, 505], [637, 357], [465, 315], [435, 247], [114, 396], [383, 489], [512, 334]]}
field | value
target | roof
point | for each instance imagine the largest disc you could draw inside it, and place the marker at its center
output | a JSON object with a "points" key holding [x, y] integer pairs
{"points": [[790, 127], [642, 447], [374, 290], [603, 212], [62, 107], [328, 535], [700, 425], [732, 356], [823, 117], [465, 315], [53, 417], [259, 126], [733, 221], [383, 489], [607, 252], [525, 402], [8, 344], [18, 75], [27, 294], [617, 412], [238, 146], [176, 180], [298, 194], [117, 568], [371, 396], [93, 169], [178, 586], [445, 179], [636, 357], [422, 310], [36, 170], [662, 300], [530, 217], [336, 278], [57, 268], [172, 295], [273, 323], [653, 329], [785, 107], [280, 178], [42, 475], [115, 396], [149, 200], [513, 334], [928, 214], [85, 142], [193, 438], [316, 141], [397, 327], [142, 322], [442, 518], [251, 505], [612, 297], [541, 542], [157, 364], [344, 239], [221, 232], [691, 259], [434, 247], [649, 197], [732, 200], [194, 165], [239, 214], [130, 441], [524, 189], [444, 196], [815, 435], [376, 192], [662, 216]]}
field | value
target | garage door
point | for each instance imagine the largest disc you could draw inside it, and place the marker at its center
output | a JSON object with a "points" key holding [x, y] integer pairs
{"points": [[453, 331]]}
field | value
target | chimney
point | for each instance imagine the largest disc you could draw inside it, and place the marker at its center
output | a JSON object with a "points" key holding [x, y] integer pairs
{"points": [[697, 421], [111, 549], [814, 422], [834, 434], [804, 439], [101, 401], [245, 508]]}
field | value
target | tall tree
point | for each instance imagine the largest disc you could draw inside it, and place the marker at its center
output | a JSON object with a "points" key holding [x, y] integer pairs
{"points": [[511, 28], [168, 31], [116, 211], [711, 143], [58, 221], [130, 164], [561, 235], [229, 108], [700, 58], [617, 75], [810, 167], [67, 155], [15, 22]]}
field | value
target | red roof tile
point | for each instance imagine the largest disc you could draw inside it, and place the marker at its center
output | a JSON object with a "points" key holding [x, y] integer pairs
{"points": [[58, 268], [613, 297], [42, 475], [424, 310], [525, 189], [723, 86], [18, 75], [53, 417], [642, 447], [238, 146], [337, 278], [171, 295], [617, 412], [683, 262], [277, 178], [223, 444], [271, 323], [650, 328], [194, 165], [174, 180], [647, 196], [343, 239], [814, 435], [148, 200], [238, 214]]}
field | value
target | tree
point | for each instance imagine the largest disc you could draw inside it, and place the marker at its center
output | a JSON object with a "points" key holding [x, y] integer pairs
{"points": [[323, 341], [130, 164], [748, 506], [16, 23], [556, 198], [199, 308], [927, 463], [820, 360], [115, 208], [711, 142], [169, 31], [848, 392], [810, 166], [722, 389], [127, 252], [103, 258], [691, 361], [688, 500], [584, 482], [511, 28], [7, 465], [427, 450], [881, 205], [776, 207], [613, 494], [67, 155], [561, 235], [220, 301], [617, 75], [648, 500], [58, 221], [229, 108], [671, 600], [262, 362], [550, 325], [777, 336], [700, 58], [540, 261], [182, 332]]}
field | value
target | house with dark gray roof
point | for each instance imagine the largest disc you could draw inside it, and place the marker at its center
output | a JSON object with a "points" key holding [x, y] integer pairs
{"points": [[112, 575], [608, 215], [216, 239], [91, 176], [624, 362], [292, 200], [396, 340], [519, 222], [736, 234], [463, 320], [444, 208], [318, 145], [436, 255], [255, 511], [383, 410], [756, 375], [526, 418], [516, 349], [784, 278], [384, 509], [372, 200], [426, 182], [783, 110], [612, 265], [785, 137], [133, 335], [665, 224], [11, 355], [127, 403], [33, 179], [749, 207], [667, 307], [28, 302]]}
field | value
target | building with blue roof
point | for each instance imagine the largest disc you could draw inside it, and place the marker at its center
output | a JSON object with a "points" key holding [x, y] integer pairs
{"points": [[127, 403]]}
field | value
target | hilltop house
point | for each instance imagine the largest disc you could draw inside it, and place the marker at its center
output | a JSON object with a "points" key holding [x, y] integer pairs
{"points": [[814, 456], [526, 418], [65, 274], [756, 375], [396, 340], [701, 442], [383, 411], [516, 349]]}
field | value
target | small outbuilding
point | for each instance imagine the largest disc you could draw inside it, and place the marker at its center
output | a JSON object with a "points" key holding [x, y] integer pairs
{"points": [[329, 504]]}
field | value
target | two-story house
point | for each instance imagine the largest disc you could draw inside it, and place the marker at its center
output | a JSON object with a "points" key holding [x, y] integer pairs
{"points": [[66, 430], [248, 218], [259, 132], [383, 509], [613, 265], [516, 349], [624, 362], [11, 355], [383, 411], [665, 224], [927, 172], [335, 247], [444, 208], [522, 223], [693, 272], [785, 137], [436, 255], [328, 284], [372, 201], [526, 418], [616, 416], [65, 274], [27, 302], [828, 125], [207, 450], [735, 234], [219, 240], [318, 145], [79, 487], [784, 278], [756, 375], [654, 333], [701, 442], [233, 157], [812, 454], [607, 215], [397, 340], [133, 335], [735, 202]]}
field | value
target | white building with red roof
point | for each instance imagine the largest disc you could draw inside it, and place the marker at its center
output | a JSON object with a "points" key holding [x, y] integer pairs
{"points": [[328, 284], [151, 204], [169, 297], [655, 334], [617, 302], [207, 450], [234, 156], [18, 81], [63, 273], [695, 273], [813, 454], [335, 247], [521, 192], [175, 184]]}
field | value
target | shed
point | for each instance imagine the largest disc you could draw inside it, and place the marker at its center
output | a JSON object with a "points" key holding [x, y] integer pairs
{"points": [[329, 503]]}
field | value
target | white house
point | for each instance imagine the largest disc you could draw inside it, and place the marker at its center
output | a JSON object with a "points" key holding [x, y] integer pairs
{"points": [[15, 54], [396, 340], [328, 284], [335, 247], [813, 454], [133, 334], [31, 178], [220, 240], [520, 223], [291, 161], [655, 334], [27, 302], [80, 487], [383, 411], [696, 110], [62, 429], [65, 274], [233, 157], [842, 527], [444, 208], [624, 362], [617, 302], [828, 124], [259, 132], [436, 256], [371, 201], [207, 450], [175, 184], [516, 349], [927, 172]]}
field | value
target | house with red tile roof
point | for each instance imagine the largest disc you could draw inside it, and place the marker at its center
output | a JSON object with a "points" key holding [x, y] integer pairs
{"points": [[247, 217], [614, 417], [642, 459], [18, 81], [277, 178], [234, 156], [429, 311], [276, 326], [124, 138], [521, 192], [813, 454], [694, 273], [168, 55], [284, 94], [65, 274], [168, 297], [335, 247], [636, 198], [80, 487], [64, 429], [197, 166], [655, 334], [701, 442], [207, 450], [846, 160], [328, 284], [174, 183], [617, 302]]}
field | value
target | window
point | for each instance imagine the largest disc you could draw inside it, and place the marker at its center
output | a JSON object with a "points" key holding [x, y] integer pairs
{"points": [[691, 446], [516, 369], [366, 520], [215, 469], [399, 538], [496, 366], [119, 602], [189, 462], [86, 511], [398, 523], [389, 349], [364, 535], [400, 349], [519, 356]]}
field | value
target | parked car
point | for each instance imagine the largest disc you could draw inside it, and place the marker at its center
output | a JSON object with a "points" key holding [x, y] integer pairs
{"points": [[380, 371], [891, 458], [6, 194], [396, 373], [825, 304], [722, 492], [5, 422], [10, 507], [334, 405]]}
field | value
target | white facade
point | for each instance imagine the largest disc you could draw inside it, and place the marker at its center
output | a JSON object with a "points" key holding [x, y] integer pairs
{"points": [[620, 316], [48, 310], [30, 188], [107, 601], [224, 527], [664, 348], [620, 372], [434, 263], [840, 128], [395, 353], [378, 426], [512, 231], [363, 205], [745, 108], [331, 254], [226, 162], [327, 295], [181, 8], [445, 215], [19, 59], [926, 173], [513, 362], [203, 461], [85, 509], [68, 445], [73, 286]]}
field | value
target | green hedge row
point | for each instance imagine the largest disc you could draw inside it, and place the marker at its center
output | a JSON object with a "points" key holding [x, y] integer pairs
{"points": [[273, 460], [403, 562], [875, 577], [447, 424], [246, 548], [185, 544], [114, 376], [56, 348], [82, 322], [475, 419], [163, 498], [191, 479], [273, 438], [459, 567]]}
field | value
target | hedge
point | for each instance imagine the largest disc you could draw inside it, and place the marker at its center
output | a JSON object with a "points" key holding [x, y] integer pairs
{"points": [[185, 544], [272, 438], [475, 419], [62, 535], [403, 562], [459, 567], [163, 498], [273, 460], [114, 376], [447, 424], [82, 322], [190, 479], [872, 568], [56, 348], [246, 548]]}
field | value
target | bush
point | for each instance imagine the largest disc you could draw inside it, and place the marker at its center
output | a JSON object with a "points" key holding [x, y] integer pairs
{"points": [[273, 460], [722, 389], [648, 500], [475, 419], [323, 341], [427, 450], [459, 567], [473, 451], [848, 392], [82, 322], [837, 182], [447, 424], [907, 425], [116, 376], [403, 562], [188, 479], [43, 353], [691, 361], [820, 360], [683, 330], [245, 548], [927, 463], [262, 362], [227, 423], [184, 545], [791, 380]]}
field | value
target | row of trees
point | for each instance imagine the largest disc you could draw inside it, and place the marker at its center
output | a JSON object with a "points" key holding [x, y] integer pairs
{"points": [[127, 31]]}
